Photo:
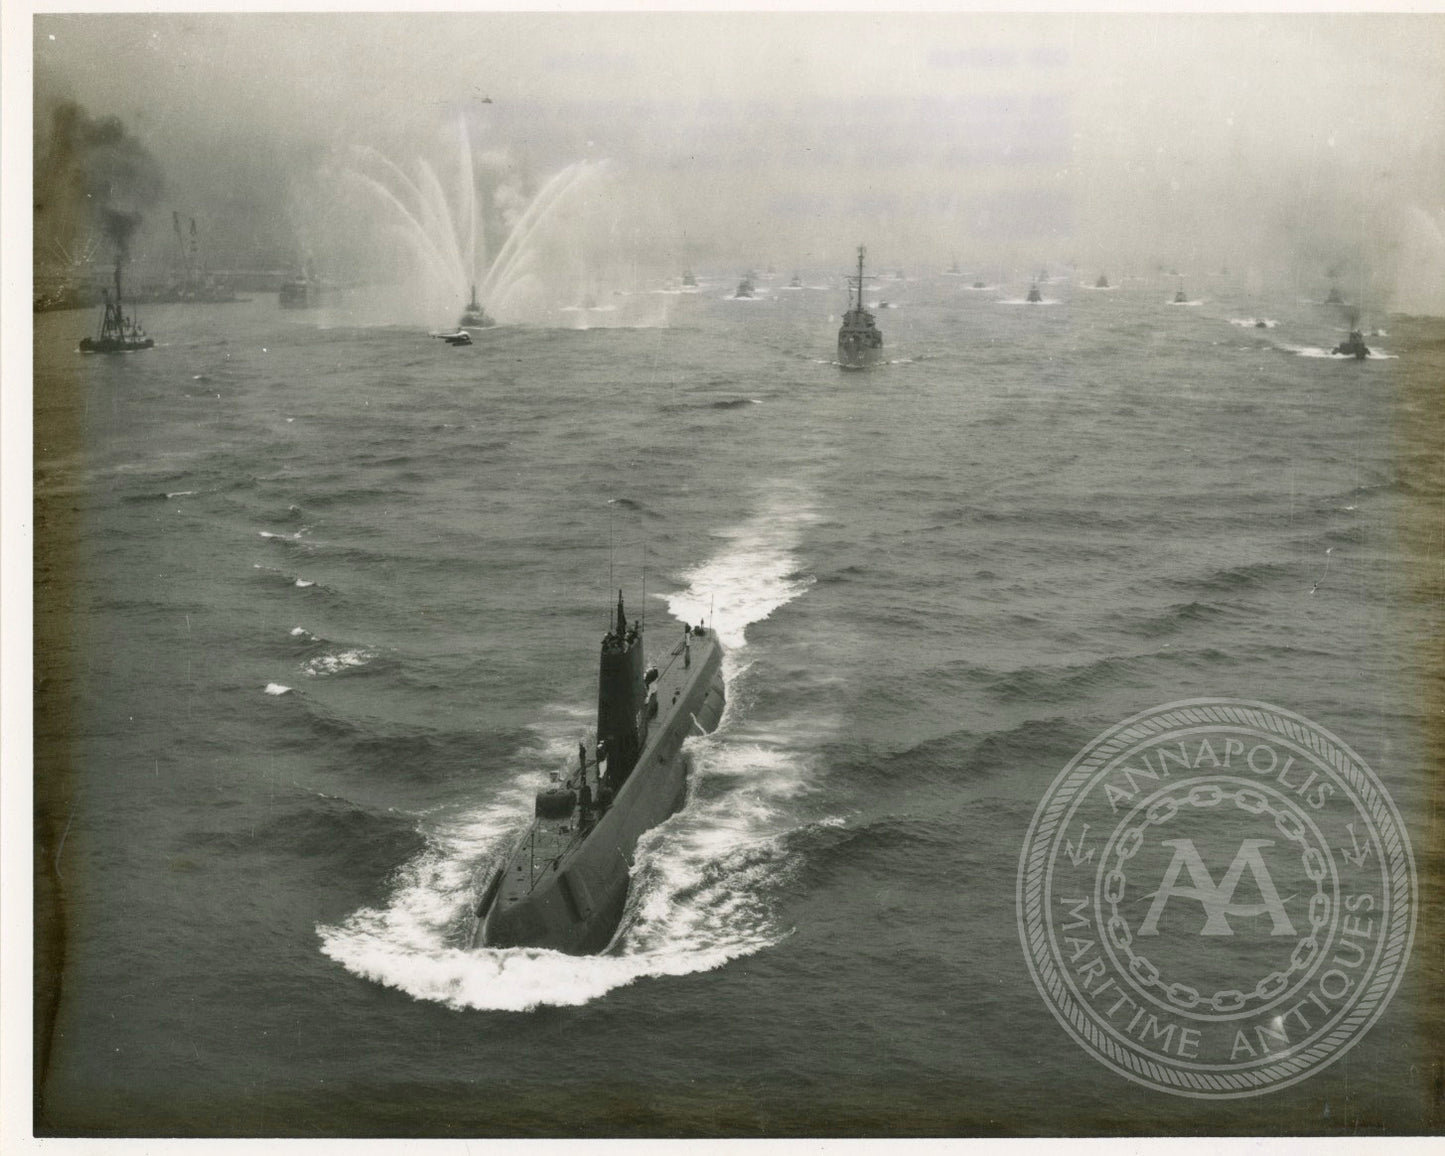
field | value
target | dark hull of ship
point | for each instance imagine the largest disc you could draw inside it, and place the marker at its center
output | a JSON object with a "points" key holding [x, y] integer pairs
{"points": [[297, 297], [858, 353], [111, 345], [574, 903]]}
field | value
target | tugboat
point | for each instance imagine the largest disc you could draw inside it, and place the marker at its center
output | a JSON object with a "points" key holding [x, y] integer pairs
{"points": [[1179, 298], [1102, 282], [745, 286], [564, 884], [1034, 297], [860, 341], [475, 316], [1354, 346], [1334, 297], [688, 280], [118, 333], [796, 282]]}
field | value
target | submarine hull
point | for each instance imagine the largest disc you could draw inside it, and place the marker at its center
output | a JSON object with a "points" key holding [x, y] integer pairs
{"points": [[565, 890]]}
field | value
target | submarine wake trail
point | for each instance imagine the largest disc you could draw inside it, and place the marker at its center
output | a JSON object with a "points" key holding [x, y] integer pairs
{"points": [[702, 880]]}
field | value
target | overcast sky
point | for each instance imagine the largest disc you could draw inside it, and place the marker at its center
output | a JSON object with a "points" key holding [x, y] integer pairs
{"points": [[1296, 143]]}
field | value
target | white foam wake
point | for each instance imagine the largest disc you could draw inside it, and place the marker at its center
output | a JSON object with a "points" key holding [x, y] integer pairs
{"points": [[754, 574], [1316, 351], [332, 663], [700, 890]]}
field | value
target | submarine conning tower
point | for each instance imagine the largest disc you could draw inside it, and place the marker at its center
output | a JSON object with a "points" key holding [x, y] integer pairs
{"points": [[621, 698]]}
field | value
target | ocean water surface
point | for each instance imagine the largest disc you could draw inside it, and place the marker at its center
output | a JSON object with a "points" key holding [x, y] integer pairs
{"points": [[317, 610]]}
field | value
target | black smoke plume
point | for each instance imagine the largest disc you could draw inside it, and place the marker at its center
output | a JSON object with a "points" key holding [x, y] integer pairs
{"points": [[94, 178]]}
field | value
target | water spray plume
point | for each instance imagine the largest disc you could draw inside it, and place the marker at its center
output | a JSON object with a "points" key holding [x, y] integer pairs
{"points": [[523, 269]]}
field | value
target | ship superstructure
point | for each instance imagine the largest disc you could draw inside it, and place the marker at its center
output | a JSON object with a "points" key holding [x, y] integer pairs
{"points": [[475, 317], [118, 333]]}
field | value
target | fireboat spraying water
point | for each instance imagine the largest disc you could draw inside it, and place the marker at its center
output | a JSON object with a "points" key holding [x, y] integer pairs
{"points": [[118, 333], [451, 246], [475, 316]]}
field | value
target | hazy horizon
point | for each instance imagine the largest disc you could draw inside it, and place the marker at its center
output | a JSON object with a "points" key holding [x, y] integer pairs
{"points": [[1285, 147]]}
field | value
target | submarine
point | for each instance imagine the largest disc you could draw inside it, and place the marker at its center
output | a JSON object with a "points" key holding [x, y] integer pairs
{"points": [[564, 883]]}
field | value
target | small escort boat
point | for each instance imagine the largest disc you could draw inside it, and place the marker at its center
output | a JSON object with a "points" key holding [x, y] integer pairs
{"points": [[1353, 346]]}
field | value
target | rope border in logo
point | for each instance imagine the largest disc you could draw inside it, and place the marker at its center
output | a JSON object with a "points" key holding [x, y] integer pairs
{"points": [[1369, 794]]}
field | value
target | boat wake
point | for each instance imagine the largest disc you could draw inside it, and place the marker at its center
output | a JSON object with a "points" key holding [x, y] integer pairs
{"points": [[1331, 355], [703, 880], [753, 575]]}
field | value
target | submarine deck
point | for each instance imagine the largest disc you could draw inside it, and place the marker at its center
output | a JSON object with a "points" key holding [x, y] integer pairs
{"points": [[547, 841]]}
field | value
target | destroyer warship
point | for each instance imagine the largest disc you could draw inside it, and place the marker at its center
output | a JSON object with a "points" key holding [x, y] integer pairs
{"points": [[564, 884], [118, 333], [860, 341]]}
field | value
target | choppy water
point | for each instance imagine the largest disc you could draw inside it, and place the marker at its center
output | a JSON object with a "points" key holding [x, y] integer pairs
{"points": [[330, 616]]}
